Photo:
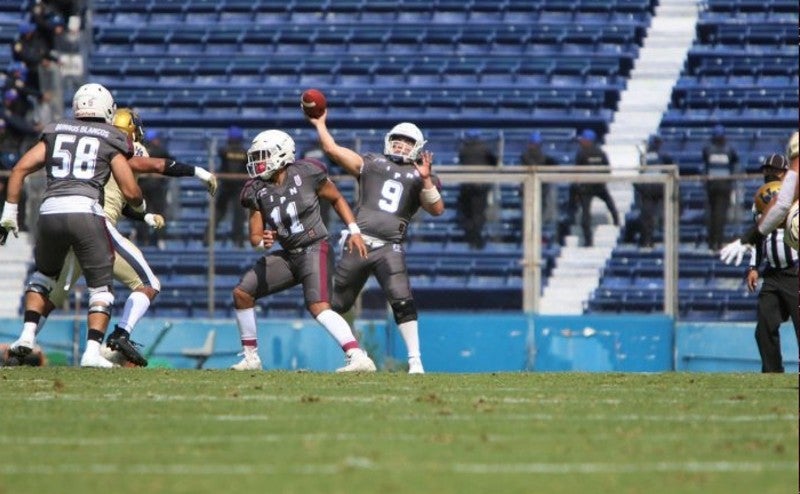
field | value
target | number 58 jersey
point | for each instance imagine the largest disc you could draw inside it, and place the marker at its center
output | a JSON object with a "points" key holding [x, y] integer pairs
{"points": [[388, 197], [78, 157]]}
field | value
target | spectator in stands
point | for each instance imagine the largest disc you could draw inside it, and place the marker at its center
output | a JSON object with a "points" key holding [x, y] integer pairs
{"points": [[534, 155], [473, 199], [777, 300], [720, 161], [282, 199], [383, 218], [155, 190], [71, 56], [590, 154], [651, 196], [30, 47], [232, 159], [36, 358]]}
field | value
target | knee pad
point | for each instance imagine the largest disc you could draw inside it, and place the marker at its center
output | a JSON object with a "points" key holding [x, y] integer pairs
{"points": [[101, 300], [40, 283], [404, 311]]}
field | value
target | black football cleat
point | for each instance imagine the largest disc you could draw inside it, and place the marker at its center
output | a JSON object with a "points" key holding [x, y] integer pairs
{"points": [[120, 341]]}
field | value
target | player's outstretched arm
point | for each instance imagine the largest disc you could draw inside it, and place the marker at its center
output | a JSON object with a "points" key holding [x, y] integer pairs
{"points": [[172, 168], [127, 183], [342, 156]]}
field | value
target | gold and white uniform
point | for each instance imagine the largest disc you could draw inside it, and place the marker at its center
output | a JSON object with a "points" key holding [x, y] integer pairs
{"points": [[130, 266]]}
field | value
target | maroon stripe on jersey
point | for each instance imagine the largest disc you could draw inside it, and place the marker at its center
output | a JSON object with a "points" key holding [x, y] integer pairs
{"points": [[323, 271]]}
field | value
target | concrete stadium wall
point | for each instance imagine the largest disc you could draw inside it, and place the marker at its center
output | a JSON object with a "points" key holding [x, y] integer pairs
{"points": [[456, 342]]}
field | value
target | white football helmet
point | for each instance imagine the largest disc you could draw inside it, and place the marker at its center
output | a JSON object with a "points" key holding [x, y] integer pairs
{"points": [[410, 131], [270, 151], [93, 101]]}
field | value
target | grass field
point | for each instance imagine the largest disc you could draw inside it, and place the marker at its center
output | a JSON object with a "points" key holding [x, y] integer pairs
{"points": [[165, 431]]}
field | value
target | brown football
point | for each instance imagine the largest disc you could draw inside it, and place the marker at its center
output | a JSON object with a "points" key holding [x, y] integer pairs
{"points": [[313, 102]]}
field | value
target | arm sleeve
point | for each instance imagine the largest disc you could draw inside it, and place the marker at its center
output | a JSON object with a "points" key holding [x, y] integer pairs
{"points": [[778, 211], [131, 213]]}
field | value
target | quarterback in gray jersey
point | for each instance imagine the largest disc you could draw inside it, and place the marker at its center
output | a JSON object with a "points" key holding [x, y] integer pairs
{"points": [[392, 187], [79, 156], [283, 199]]}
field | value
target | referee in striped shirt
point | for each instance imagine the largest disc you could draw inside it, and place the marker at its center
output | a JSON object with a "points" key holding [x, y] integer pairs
{"points": [[777, 300]]}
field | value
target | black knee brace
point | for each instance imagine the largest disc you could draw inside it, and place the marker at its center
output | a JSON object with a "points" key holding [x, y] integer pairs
{"points": [[404, 311]]}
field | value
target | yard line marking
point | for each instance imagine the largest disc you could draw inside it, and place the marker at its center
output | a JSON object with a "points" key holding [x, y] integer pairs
{"points": [[622, 468], [350, 463]]}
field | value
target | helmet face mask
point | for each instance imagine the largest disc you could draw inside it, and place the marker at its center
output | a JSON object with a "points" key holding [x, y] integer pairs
{"points": [[93, 101], [404, 142], [269, 152], [129, 122]]}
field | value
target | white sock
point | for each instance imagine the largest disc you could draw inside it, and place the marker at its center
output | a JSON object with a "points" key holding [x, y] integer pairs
{"points": [[338, 328], [246, 321], [135, 307], [410, 332], [28, 331], [92, 347]]}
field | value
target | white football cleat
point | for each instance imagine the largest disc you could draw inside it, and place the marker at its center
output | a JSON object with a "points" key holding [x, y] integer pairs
{"points": [[113, 356], [251, 360], [415, 365], [21, 347], [357, 360], [92, 359]]}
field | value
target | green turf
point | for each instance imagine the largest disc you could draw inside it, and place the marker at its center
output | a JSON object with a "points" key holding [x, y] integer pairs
{"points": [[167, 431]]}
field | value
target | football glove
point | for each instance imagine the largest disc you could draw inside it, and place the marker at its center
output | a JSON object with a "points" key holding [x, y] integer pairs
{"points": [[209, 178], [154, 220], [8, 222], [734, 252]]}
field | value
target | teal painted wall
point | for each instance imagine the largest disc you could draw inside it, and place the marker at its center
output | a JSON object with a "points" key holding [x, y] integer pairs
{"points": [[458, 342]]}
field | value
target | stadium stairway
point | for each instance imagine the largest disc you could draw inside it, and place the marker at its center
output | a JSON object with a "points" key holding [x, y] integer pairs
{"points": [[13, 270], [577, 272], [641, 106]]}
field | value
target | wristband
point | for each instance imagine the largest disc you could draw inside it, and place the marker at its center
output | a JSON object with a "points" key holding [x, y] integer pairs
{"points": [[141, 208], [202, 174], [174, 169], [750, 236], [354, 229], [430, 196]]}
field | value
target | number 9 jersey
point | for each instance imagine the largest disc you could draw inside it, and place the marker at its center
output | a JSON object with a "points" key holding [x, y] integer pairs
{"points": [[79, 154], [388, 197]]}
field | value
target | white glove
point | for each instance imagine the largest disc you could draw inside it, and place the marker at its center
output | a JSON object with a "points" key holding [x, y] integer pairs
{"points": [[207, 177], [9, 218], [154, 220], [734, 252]]}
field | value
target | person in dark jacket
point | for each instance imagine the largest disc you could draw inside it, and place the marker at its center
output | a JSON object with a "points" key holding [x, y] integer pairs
{"points": [[720, 161], [232, 159], [590, 154], [473, 199], [651, 196]]}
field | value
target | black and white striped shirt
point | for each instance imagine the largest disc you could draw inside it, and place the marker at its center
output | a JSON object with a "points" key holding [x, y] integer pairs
{"points": [[772, 249]]}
